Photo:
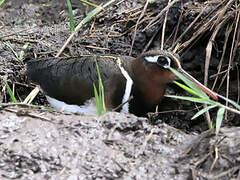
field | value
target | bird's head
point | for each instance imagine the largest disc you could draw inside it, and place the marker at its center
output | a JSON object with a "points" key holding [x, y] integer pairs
{"points": [[153, 67]]}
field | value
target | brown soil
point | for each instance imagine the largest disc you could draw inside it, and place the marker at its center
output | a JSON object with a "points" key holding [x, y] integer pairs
{"points": [[36, 143]]}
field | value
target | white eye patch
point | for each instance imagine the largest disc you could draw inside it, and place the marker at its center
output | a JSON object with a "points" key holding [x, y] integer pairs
{"points": [[155, 59], [152, 59]]}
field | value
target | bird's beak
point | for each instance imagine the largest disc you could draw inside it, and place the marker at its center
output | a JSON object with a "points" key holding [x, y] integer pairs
{"points": [[208, 91]]}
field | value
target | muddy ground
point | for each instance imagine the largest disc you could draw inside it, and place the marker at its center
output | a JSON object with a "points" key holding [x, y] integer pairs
{"points": [[39, 143]]}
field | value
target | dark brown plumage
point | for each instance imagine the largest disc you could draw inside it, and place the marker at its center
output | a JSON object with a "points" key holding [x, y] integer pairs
{"points": [[71, 79]]}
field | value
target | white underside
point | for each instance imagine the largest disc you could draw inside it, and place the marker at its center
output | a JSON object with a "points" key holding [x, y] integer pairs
{"points": [[89, 108]]}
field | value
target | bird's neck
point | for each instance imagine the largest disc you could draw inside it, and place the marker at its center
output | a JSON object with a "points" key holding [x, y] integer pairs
{"points": [[147, 91]]}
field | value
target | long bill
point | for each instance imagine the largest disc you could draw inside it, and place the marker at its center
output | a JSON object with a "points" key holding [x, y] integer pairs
{"points": [[208, 91]]}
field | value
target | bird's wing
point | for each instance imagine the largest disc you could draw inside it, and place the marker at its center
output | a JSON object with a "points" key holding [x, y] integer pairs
{"points": [[71, 79]]}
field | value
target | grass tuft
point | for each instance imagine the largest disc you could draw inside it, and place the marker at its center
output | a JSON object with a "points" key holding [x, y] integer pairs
{"points": [[10, 92], [20, 55], [99, 94], [204, 99]]}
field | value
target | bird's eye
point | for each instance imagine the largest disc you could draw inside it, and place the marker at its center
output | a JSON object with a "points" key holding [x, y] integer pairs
{"points": [[164, 61]]}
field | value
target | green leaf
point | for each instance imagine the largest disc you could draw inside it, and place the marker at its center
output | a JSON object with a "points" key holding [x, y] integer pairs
{"points": [[199, 92], [198, 100], [219, 119], [71, 19], [10, 93], [203, 111]]}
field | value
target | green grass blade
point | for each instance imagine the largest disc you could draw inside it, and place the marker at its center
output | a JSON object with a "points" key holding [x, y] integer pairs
{"points": [[88, 3], [219, 119], [101, 88], [98, 72], [21, 53], [191, 91], [31, 96], [197, 100], [71, 19], [92, 13], [14, 52], [102, 97], [88, 17], [10, 93], [1, 2], [97, 101], [199, 113], [189, 83], [211, 125], [232, 102], [79, 26]]}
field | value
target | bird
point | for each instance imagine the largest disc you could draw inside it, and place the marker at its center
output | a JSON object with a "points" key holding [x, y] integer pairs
{"points": [[68, 82]]}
